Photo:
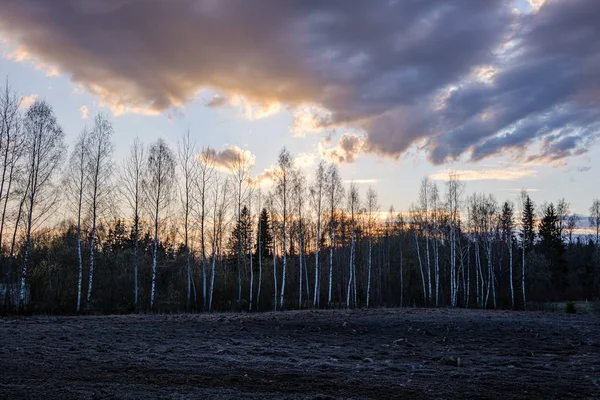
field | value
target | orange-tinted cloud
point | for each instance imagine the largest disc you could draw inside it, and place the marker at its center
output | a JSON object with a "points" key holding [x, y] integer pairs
{"points": [[346, 150], [466, 78]]}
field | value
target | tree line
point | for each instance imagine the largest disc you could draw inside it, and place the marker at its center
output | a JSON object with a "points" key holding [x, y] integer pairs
{"points": [[186, 229]]}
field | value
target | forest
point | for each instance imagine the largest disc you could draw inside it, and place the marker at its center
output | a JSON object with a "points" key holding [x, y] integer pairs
{"points": [[191, 229]]}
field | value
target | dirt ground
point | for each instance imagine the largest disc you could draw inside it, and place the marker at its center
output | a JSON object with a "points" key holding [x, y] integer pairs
{"points": [[382, 354]]}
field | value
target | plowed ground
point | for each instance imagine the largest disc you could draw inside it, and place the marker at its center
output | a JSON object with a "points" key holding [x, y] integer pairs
{"points": [[379, 354]]}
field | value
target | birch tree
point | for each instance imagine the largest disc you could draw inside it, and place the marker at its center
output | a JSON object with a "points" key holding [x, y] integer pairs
{"points": [[14, 174], [317, 194], [352, 208], [335, 194], [473, 237], [594, 219], [299, 193], [372, 210], [204, 179], [398, 227], [488, 220], [44, 153], [562, 213], [417, 226], [220, 191], [77, 186], [571, 226], [424, 206], [240, 171], [187, 164], [13, 185], [249, 246], [434, 200], [272, 211], [159, 191], [507, 232], [132, 175], [283, 186], [11, 146], [454, 189], [99, 173], [262, 231], [22, 192]]}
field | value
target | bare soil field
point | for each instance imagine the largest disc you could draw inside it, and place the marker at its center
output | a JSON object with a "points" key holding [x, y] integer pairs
{"points": [[379, 354]]}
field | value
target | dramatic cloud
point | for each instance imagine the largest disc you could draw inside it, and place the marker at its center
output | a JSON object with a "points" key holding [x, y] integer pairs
{"points": [[249, 110], [462, 79], [499, 174]]}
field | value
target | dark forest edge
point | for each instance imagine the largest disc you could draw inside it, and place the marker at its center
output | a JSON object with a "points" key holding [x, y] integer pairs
{"points": [[191, 230]]}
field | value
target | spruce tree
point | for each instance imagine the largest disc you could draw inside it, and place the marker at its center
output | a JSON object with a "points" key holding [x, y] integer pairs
{"points": [[553, 247], [264, 238], [242, 227], [527, 224]]}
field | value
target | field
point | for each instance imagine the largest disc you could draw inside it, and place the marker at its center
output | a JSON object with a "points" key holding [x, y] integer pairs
{"points": [[407, 353]]}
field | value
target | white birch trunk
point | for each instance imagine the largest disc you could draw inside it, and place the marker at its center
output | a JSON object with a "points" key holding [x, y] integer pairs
{"points": [[80, 269], [274, 273], [316, 290], [26, 258], [437, 272], [91, 277], [27, 244], [493, 283], [203, 244], [189, 273], [489, 276], [331, 237], [477, 271], [510, 263], [79, 255], [154, 257], [135, 264], [468, 284], [304, 258], [523, 278], [428, 266], [212, 277], [251, 272], [284, 271], [462, 275], [369, 274], [259, 263], [301, 270], [455, 268], [350, 273], [354, 272]]}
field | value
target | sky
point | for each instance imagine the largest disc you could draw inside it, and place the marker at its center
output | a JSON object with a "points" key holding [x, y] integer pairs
{"points": [[505, 93]]}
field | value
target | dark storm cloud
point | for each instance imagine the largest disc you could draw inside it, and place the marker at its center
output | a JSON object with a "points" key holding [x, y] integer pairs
{"points": [[463, 77], [546, 90]]}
